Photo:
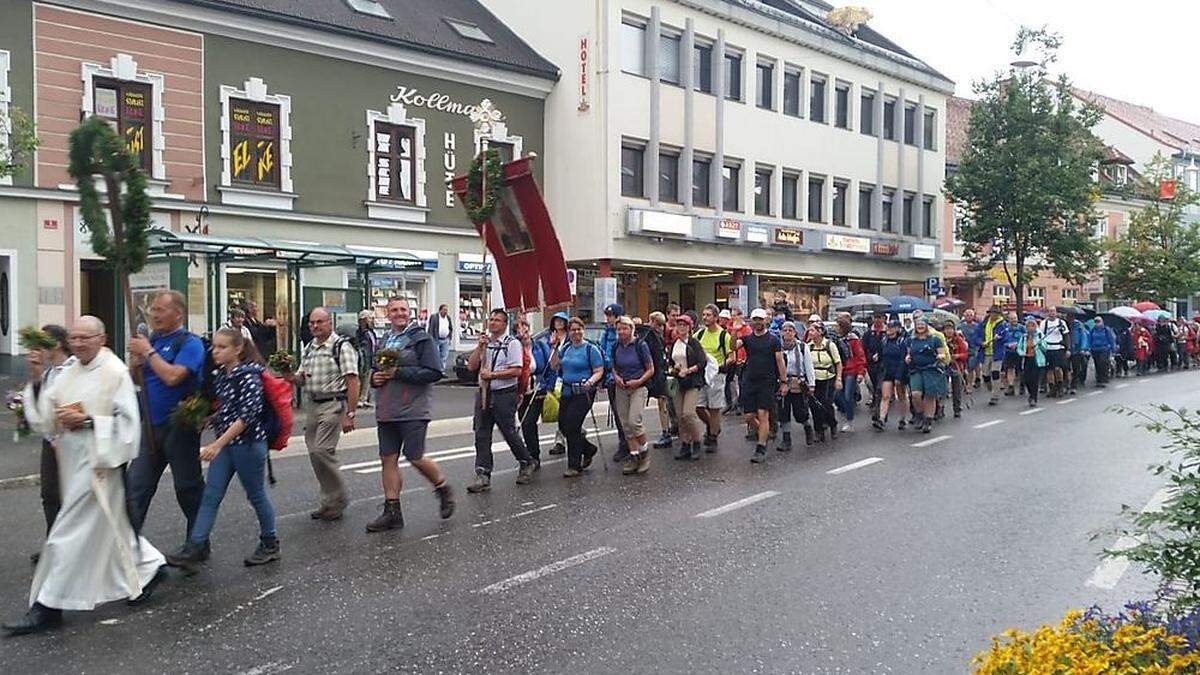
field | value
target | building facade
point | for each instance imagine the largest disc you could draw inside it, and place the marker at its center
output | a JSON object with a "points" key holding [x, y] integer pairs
{"points": [[731, 150], [291, 148]]}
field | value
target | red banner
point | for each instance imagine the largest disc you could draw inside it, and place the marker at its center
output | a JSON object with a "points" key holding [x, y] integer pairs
{"points": [[521, 238]]}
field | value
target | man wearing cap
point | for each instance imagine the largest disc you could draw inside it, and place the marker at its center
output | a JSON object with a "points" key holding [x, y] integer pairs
{"points": [[441, 329], [608, 341], [764, 380], [718, 345]]}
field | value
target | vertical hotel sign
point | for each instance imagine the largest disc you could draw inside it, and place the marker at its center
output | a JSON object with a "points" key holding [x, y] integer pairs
{"points": [[585, 45]]}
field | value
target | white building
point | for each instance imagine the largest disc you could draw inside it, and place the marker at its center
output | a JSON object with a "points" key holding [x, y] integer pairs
{"points": [[817, 172]]}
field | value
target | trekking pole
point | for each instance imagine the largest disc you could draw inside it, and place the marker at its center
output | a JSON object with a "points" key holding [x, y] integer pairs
{"points": [[270, 471], [599, 442]]}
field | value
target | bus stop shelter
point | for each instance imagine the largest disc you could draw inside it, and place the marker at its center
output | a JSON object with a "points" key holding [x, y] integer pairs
{"points": [[215, 252]]}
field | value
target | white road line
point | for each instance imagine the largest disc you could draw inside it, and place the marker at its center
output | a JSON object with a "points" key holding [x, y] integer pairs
{"points": [[485, 523], [1097, 392], [1066, 401], [988, 424], [431, 536], [1122, 385], [932, 441], [240, 607], [451, 455], [733, 506], [856, 465], [1108, 573], [1032, 411], [534, 575], [533, 511]]}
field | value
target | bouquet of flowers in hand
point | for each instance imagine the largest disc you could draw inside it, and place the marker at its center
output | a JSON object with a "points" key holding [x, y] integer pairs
{"points": [[282, 361], [386, 359], [32, 337], [192, 411], [16, 403]]}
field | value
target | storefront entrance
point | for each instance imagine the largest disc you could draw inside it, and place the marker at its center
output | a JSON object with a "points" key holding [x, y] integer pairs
{"points": [[98, 292]]}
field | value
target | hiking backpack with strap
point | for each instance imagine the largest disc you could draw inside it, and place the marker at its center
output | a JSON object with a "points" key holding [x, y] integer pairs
{"points": [[843, 347], [208, 370], [278, 417], [722, 344]]}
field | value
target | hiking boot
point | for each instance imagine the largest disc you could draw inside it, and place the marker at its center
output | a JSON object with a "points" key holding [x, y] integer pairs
{"points": [[833, 431], [525, 473], [685, 451], [630, 466], [901, 425], [483, 483], [927, 427], [445, 500], [879, 425], [572, 473], [697, 452], [191, 554], [588, 456], [326, 513], [643, 462], [558, 449], [391, 519], [760, 454], [786, 445], [267, 551], [710, 440], [663, 441], [808, 434], [821, 434]]}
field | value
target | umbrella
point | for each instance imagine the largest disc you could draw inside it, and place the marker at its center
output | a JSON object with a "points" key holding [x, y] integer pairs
{"points": [[1071, 310], [1145, 305], [1114, 321], [863, 302], [948, 303], [1155, 314], [907, 303], [944, 316], [1126, 312]]}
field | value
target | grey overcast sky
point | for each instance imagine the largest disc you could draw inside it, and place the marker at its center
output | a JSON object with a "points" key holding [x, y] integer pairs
{"points": [[1141, 52]]}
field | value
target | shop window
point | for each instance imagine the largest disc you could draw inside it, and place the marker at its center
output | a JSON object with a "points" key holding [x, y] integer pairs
{"points": [[632, 166], [731, 187], [791, 93], [765, 85], [633, 48], [701, 181], [791, 187], [839, 202], [702, 68], [866, 113], [816, 199], [816, 98], [762, 191], [668, 177], [841, 106], [866, 195], [733, 76], [129, 99], [256, 147]]}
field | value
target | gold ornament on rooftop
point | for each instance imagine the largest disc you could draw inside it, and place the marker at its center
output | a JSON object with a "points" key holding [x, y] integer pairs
{"points": [[848, 18]]}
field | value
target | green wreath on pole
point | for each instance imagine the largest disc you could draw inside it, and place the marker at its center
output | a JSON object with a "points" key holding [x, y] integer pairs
{"points": [[481, 203], [96, 150]]}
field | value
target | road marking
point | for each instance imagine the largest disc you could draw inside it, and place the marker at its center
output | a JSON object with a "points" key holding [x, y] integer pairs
{"points": [[1108, 573], [269, 591], [1122, 385], [459, 453], [110, 622], [988, 424], [486, 522], [1097, 392], [1066, 401], [856, 465], [534, 575], [733, 506], [431, 536], [932, 441], [1032, 411], [533, 511], [240, 607], [269, 668]]}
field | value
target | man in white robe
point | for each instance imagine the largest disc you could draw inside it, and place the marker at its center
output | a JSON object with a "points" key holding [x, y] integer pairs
{"points": [[91, 555]]}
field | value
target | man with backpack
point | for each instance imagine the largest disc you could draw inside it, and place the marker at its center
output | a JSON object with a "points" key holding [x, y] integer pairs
{"points": [[764, 380], [172, 362], [608, 340], [499, 359], [718, 345], [328, 375]]}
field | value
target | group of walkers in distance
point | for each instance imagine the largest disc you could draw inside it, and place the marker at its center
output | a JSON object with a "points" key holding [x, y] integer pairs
{"points": [[107, 441]]}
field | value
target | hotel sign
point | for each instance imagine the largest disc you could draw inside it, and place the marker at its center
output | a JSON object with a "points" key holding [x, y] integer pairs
{"points": [[847, 243], [789, 236]]}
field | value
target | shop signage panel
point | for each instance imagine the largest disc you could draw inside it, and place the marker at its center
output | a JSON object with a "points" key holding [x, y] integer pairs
{"points": [[888, 249], [789, 236], [837, 291], [924, 251], [473, 267], [847, 243], [758, 234], [665, 223], [729, 228]]}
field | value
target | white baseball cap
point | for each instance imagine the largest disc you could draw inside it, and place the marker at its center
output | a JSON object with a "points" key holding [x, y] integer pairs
{"points": [[814, 317], [724, 314], [758, 313]]}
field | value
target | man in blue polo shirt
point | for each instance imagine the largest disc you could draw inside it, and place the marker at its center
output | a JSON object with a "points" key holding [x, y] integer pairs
{"points": [[172, 363]]}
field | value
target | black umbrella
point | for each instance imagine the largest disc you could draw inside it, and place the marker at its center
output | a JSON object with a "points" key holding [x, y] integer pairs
{"points": [[1071, 310], [1115, 321]]}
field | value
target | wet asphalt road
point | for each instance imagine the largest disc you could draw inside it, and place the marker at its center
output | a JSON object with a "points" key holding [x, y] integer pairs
{"points": [[903, 565]]}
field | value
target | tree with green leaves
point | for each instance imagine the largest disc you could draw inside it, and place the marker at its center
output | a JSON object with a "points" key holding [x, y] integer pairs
{"points": [[1025, 177], [118, 223], [1158, 257], [17, 152]]}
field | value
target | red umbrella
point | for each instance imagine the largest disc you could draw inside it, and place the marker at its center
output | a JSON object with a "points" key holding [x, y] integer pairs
{"points": [[1145, 306], [947, 303]]}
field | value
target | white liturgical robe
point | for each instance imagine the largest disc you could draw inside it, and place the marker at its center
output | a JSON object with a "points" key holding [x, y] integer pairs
{"points": [[91, 555]]}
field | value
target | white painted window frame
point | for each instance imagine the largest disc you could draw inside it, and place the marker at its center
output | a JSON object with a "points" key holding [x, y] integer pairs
{"points": [[500, 135], [397, 114], [124, 68], [255, 90], [5, 99]]}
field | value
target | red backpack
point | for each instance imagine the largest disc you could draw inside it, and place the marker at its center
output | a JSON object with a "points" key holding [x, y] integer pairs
{"points": [[277, 413], [526, 371]]}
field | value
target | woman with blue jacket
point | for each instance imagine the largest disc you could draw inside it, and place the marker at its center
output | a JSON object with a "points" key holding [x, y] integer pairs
{"points": [[1031, 348], [1103, 343], [1081, 347]]}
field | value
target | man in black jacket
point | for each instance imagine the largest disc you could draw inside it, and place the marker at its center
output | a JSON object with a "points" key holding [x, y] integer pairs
{"points": [[872, 344]]}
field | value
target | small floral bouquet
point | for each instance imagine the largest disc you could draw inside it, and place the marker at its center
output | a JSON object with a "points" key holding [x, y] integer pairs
{"points": [[386, 359], [16, 403], [192, 411], [282, 361], [32, 337]]}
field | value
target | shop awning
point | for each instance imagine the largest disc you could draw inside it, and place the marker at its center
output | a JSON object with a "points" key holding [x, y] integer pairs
{"points": [[301, 254]]}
